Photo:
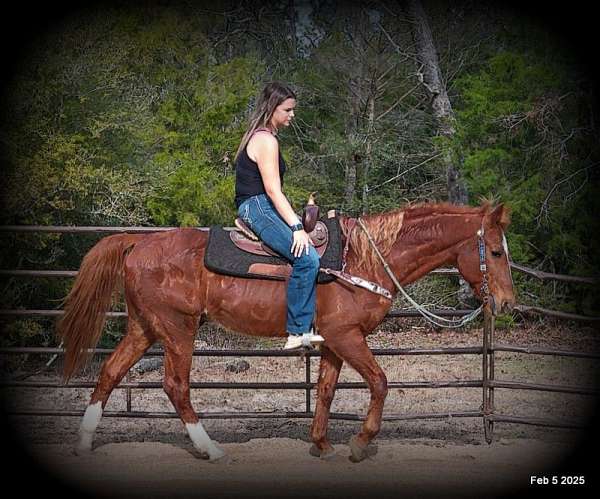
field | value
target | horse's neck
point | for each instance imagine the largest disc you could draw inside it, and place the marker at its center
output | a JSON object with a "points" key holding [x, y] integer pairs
{"points": [[417, 252], [426, 244]]}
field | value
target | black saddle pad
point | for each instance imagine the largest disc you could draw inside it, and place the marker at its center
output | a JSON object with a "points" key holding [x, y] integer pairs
{"points": [[224, 257]]}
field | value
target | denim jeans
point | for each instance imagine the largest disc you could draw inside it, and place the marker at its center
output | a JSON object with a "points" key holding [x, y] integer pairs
{"points": [[259, 213]]}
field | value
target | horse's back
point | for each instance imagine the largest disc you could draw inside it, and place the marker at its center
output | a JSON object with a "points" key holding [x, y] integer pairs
{"points": [[156, 247]]}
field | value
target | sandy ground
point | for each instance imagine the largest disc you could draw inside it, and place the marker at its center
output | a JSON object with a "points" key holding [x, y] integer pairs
{"points": [[269, 458], [282, 467]]}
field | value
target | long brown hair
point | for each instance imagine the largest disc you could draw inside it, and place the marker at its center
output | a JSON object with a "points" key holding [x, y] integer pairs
{"points": [[273, 94]]}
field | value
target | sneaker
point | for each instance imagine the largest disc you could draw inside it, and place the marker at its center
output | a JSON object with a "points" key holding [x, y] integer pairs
{"points": [[307, 340], [294, 341], [315, 339]]}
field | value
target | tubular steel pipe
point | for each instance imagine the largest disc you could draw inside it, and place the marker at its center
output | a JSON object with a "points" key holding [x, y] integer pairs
{"points": [[391, 314], [307, 381], [486, 378], [517, 385], [73, 273], [252, 415], [255, 353], [76, 229], [537, 421], [211, 385], [525, 309], [492, 327], [503, 347]]}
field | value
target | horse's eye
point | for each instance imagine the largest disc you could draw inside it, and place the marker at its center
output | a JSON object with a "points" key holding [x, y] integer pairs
{"points": [[497, 254]]}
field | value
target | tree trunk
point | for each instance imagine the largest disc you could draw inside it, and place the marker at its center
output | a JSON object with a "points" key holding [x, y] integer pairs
{"points": [[352, 163], [307, 34], [350, 182], [431, 77], [368, 149], [292, 22]]}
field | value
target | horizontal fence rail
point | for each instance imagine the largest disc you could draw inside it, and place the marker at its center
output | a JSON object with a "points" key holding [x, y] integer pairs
{"points": [[487, 383]]}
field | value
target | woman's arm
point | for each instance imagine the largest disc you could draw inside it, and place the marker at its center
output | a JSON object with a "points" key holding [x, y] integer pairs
{"points": [[266, 153], [265, 149]]}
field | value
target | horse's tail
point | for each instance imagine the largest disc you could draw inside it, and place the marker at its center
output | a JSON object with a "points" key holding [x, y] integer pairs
{"points": [[90, 298]]}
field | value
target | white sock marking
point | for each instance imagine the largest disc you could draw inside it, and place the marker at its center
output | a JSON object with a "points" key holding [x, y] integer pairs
{"points": [[202, 441], [90, 421]]}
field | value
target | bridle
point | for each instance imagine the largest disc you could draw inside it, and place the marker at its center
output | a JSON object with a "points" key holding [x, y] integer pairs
{"points": [[484, 289]]}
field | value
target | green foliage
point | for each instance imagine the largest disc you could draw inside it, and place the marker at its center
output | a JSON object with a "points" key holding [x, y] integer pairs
{"points": [[23, 333], [203, 131], [132, 116], [504, 321], [520, 128], [194, 196]]}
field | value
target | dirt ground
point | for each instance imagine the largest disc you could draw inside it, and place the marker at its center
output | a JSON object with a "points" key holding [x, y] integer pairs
{"points": [[282, 467], [269, 457]]}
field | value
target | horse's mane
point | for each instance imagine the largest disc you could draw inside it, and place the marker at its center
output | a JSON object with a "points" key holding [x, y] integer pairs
{"points": [[385, 227]]}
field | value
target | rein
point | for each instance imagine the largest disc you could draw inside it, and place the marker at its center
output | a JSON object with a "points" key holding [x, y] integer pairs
{"points": [[431, 317]]}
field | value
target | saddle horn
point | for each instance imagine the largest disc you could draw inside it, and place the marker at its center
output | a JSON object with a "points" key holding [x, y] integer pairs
{"points": [[310, 215]]}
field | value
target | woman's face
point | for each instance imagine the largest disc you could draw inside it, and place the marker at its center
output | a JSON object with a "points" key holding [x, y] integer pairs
{"points": [[283, 114]]}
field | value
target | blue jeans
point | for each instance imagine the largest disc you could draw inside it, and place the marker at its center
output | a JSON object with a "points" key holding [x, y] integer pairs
{"points": [[259, 213]]}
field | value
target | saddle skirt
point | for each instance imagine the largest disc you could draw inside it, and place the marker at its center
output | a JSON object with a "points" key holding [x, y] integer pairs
{"points": [[232, 252]]}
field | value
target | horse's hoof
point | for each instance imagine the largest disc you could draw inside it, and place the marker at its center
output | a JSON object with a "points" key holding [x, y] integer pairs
{"points": [[82, 450], [325, 454], [359, 451], [218, 456], [220, 459], [328, 454], [200, 454]]}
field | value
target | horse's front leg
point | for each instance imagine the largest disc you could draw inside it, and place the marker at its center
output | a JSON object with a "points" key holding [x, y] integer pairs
{"points": [[352, 348], [329, 372]]}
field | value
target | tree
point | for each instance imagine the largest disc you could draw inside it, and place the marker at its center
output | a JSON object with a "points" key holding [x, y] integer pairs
{"points": [[432, 79]]}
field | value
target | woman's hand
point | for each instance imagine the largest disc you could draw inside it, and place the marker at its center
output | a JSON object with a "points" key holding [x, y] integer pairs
{"points": [[301, 243]]}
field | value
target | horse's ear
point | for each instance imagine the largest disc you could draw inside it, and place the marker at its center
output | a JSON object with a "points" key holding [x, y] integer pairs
{"points": [[501, 215]]}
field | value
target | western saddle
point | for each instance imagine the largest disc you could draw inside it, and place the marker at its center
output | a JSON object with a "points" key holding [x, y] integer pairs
{"points": [[246, 240]]}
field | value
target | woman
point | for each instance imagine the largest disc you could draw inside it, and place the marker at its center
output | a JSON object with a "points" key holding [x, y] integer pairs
{"points": [[265, 209]]}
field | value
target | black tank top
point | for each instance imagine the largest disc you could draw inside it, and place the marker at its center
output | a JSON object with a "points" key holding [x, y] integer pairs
{"points": [[248, 181]]}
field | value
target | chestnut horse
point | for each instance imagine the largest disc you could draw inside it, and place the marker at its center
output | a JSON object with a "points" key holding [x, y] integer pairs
{"points": [[169, 293]]}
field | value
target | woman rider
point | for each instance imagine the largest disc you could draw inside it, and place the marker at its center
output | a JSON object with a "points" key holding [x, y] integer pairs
{"points": [[265, 209]]}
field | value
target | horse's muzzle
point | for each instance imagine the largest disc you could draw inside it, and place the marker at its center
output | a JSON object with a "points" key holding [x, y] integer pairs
{"points": [[506, 306]]}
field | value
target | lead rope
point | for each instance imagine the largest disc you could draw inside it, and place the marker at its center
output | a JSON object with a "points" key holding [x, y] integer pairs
{"points": [[430, 316]]}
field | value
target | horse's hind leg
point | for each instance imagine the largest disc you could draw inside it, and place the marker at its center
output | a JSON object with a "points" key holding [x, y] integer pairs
{"points": [[352, 348], [179, 348], [128, 352], [329, 372]]}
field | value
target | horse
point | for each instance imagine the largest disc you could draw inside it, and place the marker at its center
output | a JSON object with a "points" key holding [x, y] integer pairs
{"points": [[169, 293]]}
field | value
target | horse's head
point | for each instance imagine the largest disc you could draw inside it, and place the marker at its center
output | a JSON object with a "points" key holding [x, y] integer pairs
{"points": [[483, 261]]}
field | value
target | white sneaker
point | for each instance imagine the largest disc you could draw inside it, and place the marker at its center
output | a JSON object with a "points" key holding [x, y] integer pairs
{"points": [[307, 340]]}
